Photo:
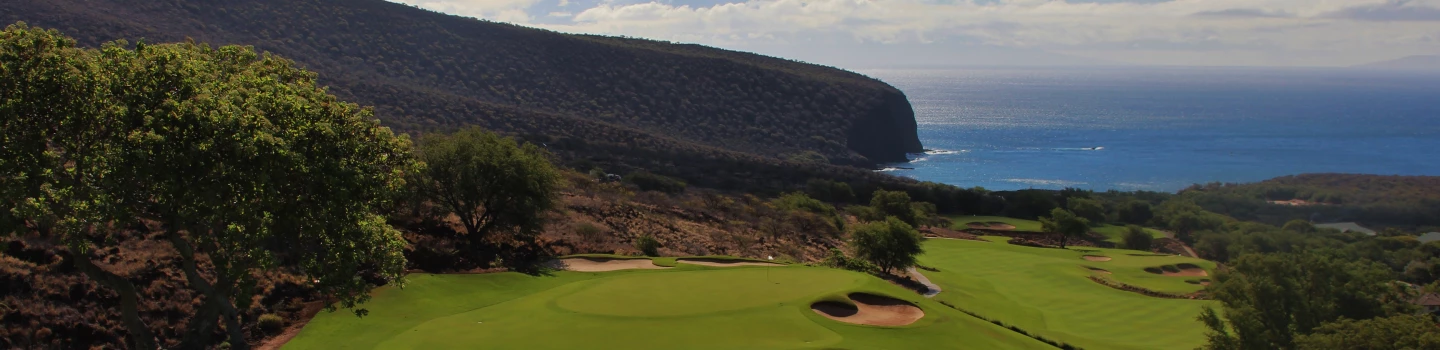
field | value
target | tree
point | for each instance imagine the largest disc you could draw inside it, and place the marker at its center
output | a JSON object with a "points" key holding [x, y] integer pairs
{"points": [[491, 183], [894, 203], [1136, 238], [1388, 333], [1065, 223], [1134, 212], [1299, 226], [925, 212], [237, 156], [1087, 208], [890, 245], [1267, 301]]}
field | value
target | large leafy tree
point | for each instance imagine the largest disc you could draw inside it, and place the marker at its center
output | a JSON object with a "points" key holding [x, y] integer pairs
{"points": [[241, 159], [1065, 223], [891, 244], [1269, 301], [1087, 208], [1387, 333], [490, 182], [895, 204]]}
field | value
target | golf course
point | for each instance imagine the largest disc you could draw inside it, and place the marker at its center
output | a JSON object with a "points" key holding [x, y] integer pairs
{"points": [[686, 305], [713, 303], [1047, 292], [1112, 233]]}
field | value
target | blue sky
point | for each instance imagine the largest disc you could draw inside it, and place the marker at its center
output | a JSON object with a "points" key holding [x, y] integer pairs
{"points": [[864, 34]]}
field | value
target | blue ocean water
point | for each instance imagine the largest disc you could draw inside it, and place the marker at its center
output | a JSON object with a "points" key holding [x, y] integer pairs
{"points": [[1162, 129]]}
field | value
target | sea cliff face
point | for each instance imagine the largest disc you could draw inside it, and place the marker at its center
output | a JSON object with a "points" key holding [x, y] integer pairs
{"points": [[888, 132]]}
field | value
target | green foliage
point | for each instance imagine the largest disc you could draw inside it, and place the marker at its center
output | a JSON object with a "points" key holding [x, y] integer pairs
{"points": [[808, 157], [647, 245], [270, 323], [1401, 332], [829, 191], [1270, 300], [587, 230], [239, 156], [837, 259], [865, 213], [1065, 223], [1089, 209], [890, 245], [648, 181], [800, 201], [490, 182], [925, 212], [1136, 238], [1134, 212], [1299, 226], [896, 204]]}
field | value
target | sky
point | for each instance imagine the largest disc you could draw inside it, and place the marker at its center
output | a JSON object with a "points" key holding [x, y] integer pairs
{"points": [[868, 34]]}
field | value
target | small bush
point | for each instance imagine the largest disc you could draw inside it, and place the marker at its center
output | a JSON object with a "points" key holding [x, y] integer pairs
{"points": [[647, 245], [270, 323], [1136, 238], [865, 213], [647, 181], [587, 230]]}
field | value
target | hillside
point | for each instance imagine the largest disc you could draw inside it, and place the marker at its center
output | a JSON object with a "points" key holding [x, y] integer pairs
{"points": [[723, 116], [1418, 62], [1407, 202]]}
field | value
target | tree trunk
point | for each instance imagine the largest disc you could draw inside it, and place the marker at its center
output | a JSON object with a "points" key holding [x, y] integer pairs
{"points": [[216, 295], [1062, 240], [139, 334]]}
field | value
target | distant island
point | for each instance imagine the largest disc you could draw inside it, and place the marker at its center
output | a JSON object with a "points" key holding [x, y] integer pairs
{"points": [[1417, 62]]}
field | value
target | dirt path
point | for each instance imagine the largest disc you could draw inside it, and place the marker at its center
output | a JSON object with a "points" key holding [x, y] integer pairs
{"points": [[1171, 235], [933, 288]]}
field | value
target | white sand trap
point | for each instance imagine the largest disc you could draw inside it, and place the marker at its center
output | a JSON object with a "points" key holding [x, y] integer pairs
{"points": [[871, 310], [725, 263], [1096, 258], [604, 264]]}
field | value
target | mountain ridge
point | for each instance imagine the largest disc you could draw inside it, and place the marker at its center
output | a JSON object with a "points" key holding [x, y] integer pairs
{"points": [[534, 83]]}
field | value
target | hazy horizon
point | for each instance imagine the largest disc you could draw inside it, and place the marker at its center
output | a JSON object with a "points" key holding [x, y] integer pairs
{"points": [[862, 34]]}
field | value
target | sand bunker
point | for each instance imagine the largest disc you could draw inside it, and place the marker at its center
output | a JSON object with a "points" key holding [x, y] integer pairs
{"points": [[725, 263], [870, 310], [603, 264], [1098, 270], [998, 226], [1186, 270], [1096, 258]]}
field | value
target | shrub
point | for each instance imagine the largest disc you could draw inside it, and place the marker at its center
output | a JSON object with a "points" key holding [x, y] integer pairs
{"points": [[647, 181], [270, 323], [800, 201], [647, 245], [1136, 238], [864, 213], [587, 230]]}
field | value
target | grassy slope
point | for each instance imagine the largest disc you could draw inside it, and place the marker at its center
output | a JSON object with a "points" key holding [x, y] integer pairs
{"points": [[1111, 232], [690, 307], [1045, 291]]}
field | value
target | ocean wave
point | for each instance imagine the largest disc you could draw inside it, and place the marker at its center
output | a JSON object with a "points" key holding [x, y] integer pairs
{"points": [[1046, 182], [921, 159], [1096, 148], [890, 169], [944, 152]]}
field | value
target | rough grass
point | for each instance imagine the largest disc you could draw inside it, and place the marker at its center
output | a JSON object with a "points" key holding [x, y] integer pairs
{"points": [[1046, 292], [1021, 225], [1113, 233], [692, 307]]}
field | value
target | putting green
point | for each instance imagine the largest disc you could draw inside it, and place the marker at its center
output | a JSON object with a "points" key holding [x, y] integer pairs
{"points": [[1046, 291], [689, 307]]}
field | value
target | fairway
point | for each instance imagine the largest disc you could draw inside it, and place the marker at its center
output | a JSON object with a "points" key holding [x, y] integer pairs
{"points": [[1046, 291], [686, 307], [1112, 233]]}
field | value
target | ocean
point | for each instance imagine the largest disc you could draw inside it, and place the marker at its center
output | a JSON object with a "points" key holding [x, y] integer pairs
{"points": [[1163, 129]]}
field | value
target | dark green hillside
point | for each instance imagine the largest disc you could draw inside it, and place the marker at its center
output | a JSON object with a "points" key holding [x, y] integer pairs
{"points": [[1408, 202], [426, 71]]}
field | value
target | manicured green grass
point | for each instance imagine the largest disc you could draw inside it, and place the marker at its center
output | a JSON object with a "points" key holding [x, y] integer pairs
{"points": [[958, 222], [1045, 291], [1113, 233], [690, 307]]}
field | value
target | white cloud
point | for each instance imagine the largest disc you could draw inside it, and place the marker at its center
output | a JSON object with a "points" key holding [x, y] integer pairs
{"points": [[1250, 32]]}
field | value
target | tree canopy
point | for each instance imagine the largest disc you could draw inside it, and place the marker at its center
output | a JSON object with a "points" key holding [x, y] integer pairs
{"points": [[895, 204], [238, 156], [490, 182], [1065, 223], [891, 244]]}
